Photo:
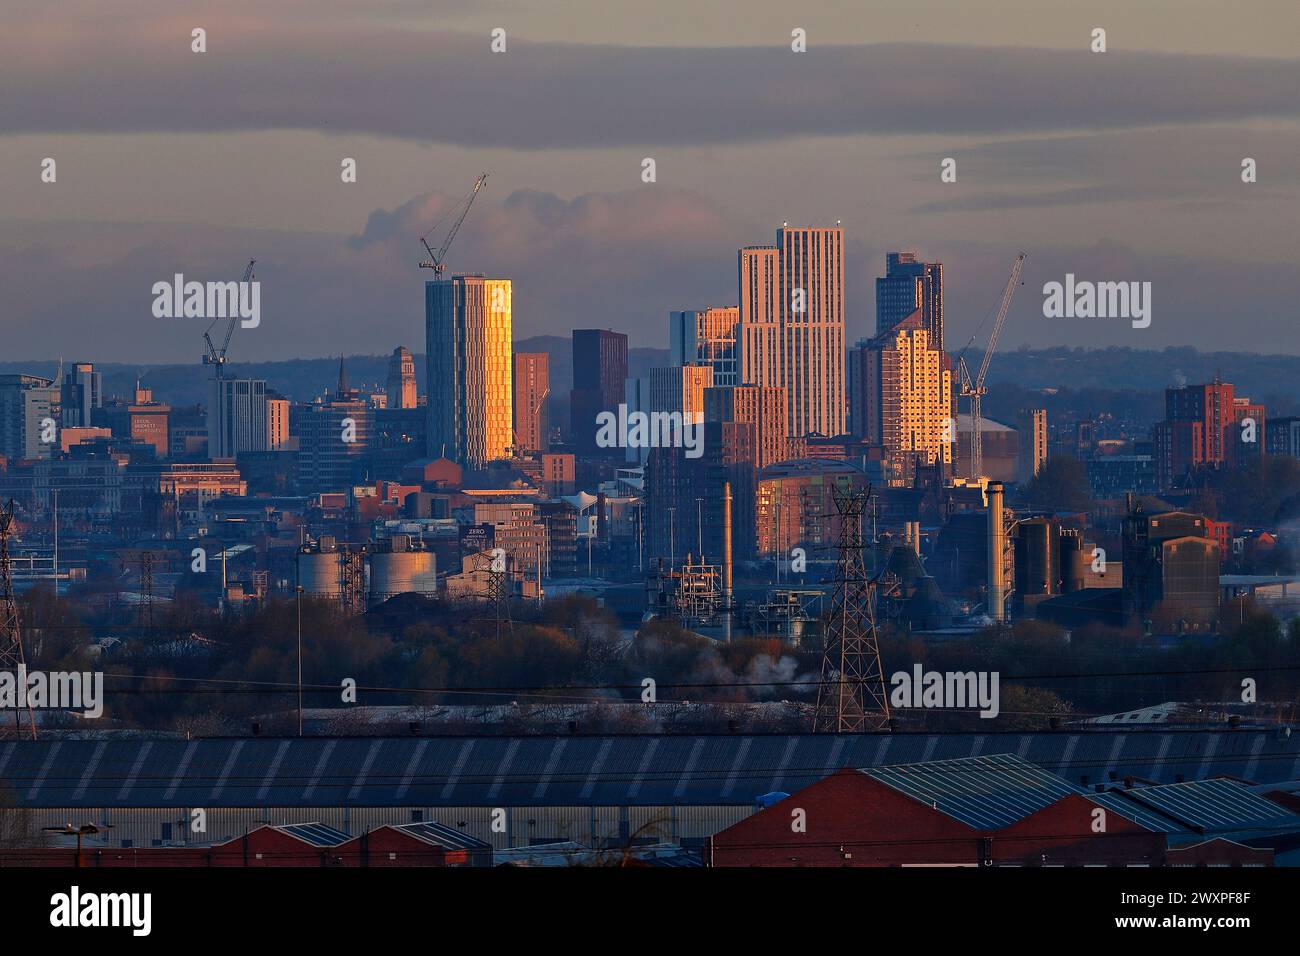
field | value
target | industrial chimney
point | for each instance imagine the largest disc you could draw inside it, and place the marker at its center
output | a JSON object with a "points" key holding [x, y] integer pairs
{"points": [[997, 536]]}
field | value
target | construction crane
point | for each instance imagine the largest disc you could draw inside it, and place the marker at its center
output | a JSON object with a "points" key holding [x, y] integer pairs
{"points": [[218, 358], [973, 389], [435, 260]]}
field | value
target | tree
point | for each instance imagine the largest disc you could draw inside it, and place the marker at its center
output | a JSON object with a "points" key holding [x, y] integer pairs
{"points": [[1060, 485]]}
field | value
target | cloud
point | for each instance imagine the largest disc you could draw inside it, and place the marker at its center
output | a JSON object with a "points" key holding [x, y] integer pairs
{"points": [[619, 260], [136, 73]]}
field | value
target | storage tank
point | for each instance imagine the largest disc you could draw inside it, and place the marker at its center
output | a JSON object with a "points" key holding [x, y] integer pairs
{"points": [[320, 573], [1037, 559], [1073, 564], [402, 572]]}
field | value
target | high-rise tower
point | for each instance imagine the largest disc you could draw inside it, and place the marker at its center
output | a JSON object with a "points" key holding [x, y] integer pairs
{"points": [[907, 285], [468, 336], [791, 330]]}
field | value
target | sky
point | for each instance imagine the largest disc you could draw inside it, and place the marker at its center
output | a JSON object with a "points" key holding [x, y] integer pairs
{"points": [[1115, 166]]}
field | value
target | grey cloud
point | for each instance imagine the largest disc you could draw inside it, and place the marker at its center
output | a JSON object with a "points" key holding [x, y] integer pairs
{"points": [[449, 88], [619, 260]]}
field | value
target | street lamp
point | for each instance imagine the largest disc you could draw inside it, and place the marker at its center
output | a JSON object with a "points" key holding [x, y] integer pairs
{"points": [[298, 601], [86, 829]]}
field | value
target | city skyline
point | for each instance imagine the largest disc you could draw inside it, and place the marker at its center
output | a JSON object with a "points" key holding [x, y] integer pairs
{"points": [[1087, 191], [841, 435]]}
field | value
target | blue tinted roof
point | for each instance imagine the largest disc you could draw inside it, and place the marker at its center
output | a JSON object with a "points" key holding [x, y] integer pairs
{"points": [[317, 834], [579, 770], [1216, 806], [986, 793]]}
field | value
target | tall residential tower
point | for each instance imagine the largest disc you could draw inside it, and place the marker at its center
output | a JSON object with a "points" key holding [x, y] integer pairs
{"points": [[468, 343], [791, 329]]}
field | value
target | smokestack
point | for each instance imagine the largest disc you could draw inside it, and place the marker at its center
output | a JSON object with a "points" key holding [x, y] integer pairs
{"points": [[726, 560], [914, 536], [997, 536]]}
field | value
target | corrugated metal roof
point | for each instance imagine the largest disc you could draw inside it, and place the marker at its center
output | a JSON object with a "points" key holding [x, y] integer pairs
{"points": [[1216, 806], [1117, 802], [443, 836], [986, 793], [632, 770], [317, 834]]}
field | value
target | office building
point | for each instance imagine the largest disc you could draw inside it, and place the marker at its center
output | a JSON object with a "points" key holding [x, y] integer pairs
{"points": [[468, 336], [334, 439], [532, 391], [706, 337], [83, 392], [401, 389], [791, 325], [146, 422], [237, 417], [599, 377], [29, 408], [908, 285]]}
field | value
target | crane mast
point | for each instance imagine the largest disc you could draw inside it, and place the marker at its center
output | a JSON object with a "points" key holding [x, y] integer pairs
{"points": [[436, 259], [217, 357], [973, 389]]}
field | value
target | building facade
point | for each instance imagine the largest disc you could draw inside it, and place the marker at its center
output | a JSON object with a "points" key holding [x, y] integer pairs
{"points": [[908, 285], [468, 334], [706, 337], [401, 390], [791, 324], [599, 376], [26, 403], [83, 392], [532, 392], [901, 396], [237, 417]]}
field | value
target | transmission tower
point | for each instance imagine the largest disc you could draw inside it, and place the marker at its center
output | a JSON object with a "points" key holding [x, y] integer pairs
{"points": [[497, 594], [851, 697], [11, 635]]}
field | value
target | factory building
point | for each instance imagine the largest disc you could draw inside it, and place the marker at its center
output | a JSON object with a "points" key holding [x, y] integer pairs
{"points": [[1004, 811], [597, 789]]}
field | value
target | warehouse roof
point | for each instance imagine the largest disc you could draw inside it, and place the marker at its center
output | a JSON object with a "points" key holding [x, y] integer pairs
{"points": [[1216, 806], [317, 834], [645, 770], [436, 834], [986, 793]]}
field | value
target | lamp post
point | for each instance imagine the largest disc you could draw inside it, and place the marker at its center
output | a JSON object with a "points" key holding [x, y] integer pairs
{"points": [[297, 596], [86, 829]]}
